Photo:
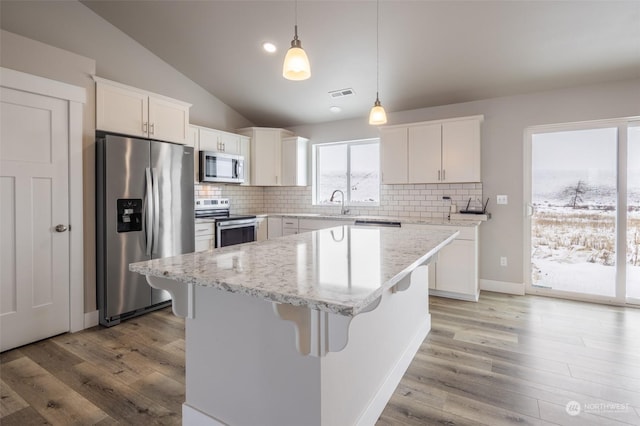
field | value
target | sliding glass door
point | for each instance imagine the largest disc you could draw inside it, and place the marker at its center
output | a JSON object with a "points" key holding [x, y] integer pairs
{"points": [[633, 215], [582, 227]]}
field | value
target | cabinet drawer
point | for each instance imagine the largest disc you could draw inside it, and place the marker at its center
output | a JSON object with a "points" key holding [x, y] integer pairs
{"points": [[204, 229], [204, 243], [290, 223]]}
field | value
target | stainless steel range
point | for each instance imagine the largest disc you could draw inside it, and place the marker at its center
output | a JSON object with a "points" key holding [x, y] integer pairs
{"points": [[229, 229]]}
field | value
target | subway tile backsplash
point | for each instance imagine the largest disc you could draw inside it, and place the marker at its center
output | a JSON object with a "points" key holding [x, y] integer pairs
{"points": [[243, 199], [413, 200]]}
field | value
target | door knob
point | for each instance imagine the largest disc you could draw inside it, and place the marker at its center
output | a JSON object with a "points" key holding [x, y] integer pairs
{"points": [[60, 228]]}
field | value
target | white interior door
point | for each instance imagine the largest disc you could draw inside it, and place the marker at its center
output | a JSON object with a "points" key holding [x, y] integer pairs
{"points": [[34, 200]]}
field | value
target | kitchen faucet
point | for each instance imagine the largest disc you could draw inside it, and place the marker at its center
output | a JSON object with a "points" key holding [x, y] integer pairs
{"points": [[342, 209]]}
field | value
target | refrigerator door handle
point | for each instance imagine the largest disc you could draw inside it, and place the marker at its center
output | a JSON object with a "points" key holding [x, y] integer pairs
{"points": [[156, 211], [150, 212]]}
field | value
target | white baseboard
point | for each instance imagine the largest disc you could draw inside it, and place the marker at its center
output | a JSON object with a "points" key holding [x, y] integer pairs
{"points": [[502, 287], [452, 295], [382, 397], [91, 319], [193, 417]]}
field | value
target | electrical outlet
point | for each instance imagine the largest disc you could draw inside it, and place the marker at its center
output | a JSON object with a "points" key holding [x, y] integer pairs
{"points": [[503, 261], [502, 199]]}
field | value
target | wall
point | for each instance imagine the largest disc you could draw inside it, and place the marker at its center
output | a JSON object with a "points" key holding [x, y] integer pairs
{"points": [[74, 27], [502, 152], [92, 46]]}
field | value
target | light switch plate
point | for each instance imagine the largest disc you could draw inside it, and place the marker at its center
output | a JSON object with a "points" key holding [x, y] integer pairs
{"points": [[502, 199]]}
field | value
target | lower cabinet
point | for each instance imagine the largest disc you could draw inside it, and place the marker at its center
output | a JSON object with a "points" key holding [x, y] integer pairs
{"points": [[205, 237], [455, 272], [288, 225], [262, 225], [306, 225], [274, 227]]}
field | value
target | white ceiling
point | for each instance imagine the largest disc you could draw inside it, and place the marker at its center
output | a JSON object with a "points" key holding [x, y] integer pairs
{"points": [[431, 52]]}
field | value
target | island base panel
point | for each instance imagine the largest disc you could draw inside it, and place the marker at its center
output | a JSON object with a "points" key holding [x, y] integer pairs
{"points": [[243, 368]]}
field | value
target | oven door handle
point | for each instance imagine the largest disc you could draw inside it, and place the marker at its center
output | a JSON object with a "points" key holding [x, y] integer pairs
{"points": [[236, 223]]}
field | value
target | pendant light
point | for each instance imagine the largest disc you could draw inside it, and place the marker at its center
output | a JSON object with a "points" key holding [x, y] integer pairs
{"points": [[296, 64], [377, 115]]}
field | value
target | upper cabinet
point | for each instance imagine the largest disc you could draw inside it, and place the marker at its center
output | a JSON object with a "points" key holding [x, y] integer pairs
{"points": [[278, 158], [131, 111], [206, 139], [445, 151], [294, 161], [219, 141]]}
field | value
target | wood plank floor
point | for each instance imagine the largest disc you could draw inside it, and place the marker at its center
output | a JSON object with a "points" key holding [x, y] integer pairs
{"points": [[506, 360]]}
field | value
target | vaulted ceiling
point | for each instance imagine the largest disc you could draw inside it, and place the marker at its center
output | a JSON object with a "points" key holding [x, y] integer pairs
{"points": [[431, 52]]}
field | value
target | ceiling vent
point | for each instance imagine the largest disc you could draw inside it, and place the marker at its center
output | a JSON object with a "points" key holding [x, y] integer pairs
{"points": [[341, 93]]}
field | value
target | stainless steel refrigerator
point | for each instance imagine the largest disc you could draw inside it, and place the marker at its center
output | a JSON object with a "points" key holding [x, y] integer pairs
{"points": [[144, 210]]}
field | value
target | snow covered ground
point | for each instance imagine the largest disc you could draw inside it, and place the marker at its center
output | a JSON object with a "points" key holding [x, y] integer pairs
{"points": [[588, 278], [574, 249]]}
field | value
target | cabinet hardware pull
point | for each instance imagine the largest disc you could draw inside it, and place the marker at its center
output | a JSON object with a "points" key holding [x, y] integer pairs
{"points": [[444, 174], [153, 128], [438, 174], [144, 127]]}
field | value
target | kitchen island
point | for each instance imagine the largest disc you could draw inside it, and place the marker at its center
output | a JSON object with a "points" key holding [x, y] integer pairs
{"points": [[309, 329]]}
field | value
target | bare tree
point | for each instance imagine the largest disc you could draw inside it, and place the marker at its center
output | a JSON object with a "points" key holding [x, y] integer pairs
{"points": [[575, 193]]}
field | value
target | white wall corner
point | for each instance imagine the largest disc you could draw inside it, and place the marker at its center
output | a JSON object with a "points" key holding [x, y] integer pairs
{"points": [[91, 319], [502, 287]]}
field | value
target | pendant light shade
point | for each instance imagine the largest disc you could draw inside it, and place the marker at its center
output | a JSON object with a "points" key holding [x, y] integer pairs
{"points": [[296, 64], [377, 115]]}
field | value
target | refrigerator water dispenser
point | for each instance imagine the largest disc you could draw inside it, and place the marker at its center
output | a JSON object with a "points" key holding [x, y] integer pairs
{"points": [[129, 214]]}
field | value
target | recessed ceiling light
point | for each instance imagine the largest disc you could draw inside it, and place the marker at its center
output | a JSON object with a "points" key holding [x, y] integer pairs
{"points": [[335, 109], [269, 47]]}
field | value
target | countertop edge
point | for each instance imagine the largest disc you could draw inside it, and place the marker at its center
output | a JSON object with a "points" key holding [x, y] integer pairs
{"points": [[312, 303]]}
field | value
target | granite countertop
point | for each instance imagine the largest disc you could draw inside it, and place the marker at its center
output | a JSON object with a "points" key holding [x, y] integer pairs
{"points": [[340, 270]]}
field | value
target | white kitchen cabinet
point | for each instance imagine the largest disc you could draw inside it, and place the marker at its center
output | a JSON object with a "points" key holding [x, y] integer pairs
{"points": [[205, 238], [245, 151], [461, 151], [219, 141], [274, 227], [193, 141], [294, 161], [135, 112], [262, 229], [290, 225], [455, 272], [311, 224], [266, 155], [425, 153], [278, 158], [393, 155], [443, 151]]}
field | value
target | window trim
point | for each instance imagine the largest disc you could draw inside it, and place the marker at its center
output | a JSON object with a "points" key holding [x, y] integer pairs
{"points": [[314, 177]]}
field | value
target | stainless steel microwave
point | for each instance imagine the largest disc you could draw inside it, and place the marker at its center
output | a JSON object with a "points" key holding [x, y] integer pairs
{"points": [[219, 167]]}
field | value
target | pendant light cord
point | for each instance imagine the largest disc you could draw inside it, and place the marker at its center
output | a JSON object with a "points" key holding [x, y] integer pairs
{"points": [[377, 47]]}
